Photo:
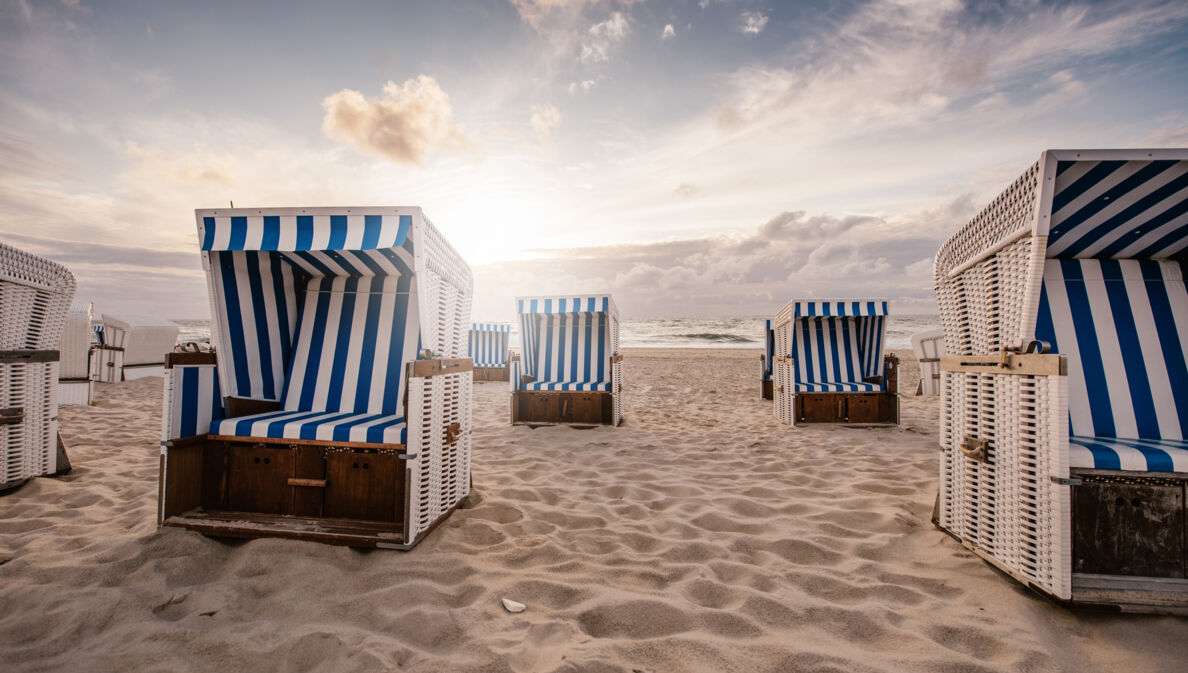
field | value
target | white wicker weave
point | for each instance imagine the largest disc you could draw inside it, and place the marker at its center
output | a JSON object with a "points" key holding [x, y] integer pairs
{"points": [[35, 295], [76, 343]]}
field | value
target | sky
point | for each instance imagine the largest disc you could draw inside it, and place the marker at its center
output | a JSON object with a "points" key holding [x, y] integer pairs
{"points": [[697, 158]]}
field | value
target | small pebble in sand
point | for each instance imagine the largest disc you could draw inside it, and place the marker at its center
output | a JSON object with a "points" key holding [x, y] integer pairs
{"points": [[512, 606]]}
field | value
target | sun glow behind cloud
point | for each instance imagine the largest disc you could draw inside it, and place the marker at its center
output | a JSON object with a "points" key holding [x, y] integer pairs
{"points": [[637, 146]]}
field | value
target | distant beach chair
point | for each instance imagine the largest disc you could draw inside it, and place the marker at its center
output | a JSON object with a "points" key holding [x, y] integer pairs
{"points": [[765, 387], [35, 295], [1064, 404], [488, 348], [829, 365], [571, 372], [132, 347], [337, 405], [75, 386], [929, 346]]}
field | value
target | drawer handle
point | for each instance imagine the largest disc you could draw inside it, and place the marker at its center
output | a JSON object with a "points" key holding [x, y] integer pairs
{"points": [[314, 483]]}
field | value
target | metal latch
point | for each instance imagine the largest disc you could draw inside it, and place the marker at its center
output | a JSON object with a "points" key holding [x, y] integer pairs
{"points": [[976, 449], [1070, 481], [406, 456]]}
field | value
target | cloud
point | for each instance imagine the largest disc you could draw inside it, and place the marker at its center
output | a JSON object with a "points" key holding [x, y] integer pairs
{"points": [[668, 32], [603, 37], [753, 23], [543, 14], [543, 120], [200, 166], [686, 189], [793, 254], [584, 85], [411, 120]]}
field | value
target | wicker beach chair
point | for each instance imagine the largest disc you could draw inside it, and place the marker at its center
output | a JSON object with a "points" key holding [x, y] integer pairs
{"points": [[929, 346], [133, 347], [488, 348], [829, 365], [74, 374], [571, 372], [337, 406], [765, 371], [35, 295], [1064, 397]]}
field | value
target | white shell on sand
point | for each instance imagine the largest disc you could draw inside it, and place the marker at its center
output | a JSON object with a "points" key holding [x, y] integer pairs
{"points": [[513, 606]]}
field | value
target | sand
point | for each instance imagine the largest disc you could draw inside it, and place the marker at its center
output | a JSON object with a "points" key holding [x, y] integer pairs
{"points": [[702, 535]]}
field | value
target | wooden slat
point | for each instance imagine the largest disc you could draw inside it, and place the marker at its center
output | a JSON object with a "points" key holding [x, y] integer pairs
{"points": [[178, 359], [305, 442], [12, 415], [28, 356], [1023, 364], [424, 368], [243, 406], [253, 525]]}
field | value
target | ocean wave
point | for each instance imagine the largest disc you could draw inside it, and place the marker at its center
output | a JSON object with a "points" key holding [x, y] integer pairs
{"points": [[717, 336]]}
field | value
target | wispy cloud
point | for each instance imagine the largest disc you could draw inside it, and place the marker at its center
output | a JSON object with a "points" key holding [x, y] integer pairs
{"points": [[543, 120], [409, 121], [668, 32], [753, 23], [603, 37]]}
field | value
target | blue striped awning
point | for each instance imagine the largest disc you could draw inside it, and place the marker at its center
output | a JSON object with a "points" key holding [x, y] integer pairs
{"points": [[1120, 209], [314, 311], [567, 304], [488, 343], [849, 307], [293, 233], [490, 327]]}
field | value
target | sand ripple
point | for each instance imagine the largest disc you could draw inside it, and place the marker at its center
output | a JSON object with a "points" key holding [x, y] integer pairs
{"points": [[700, 536]]}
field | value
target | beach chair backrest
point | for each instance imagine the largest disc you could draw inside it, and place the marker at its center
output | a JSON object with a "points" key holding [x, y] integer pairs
{"points": [[835, 341], [354, 335], [568, 339], [1121, 323], [488, 345], [35, 296], [1113, 298]]}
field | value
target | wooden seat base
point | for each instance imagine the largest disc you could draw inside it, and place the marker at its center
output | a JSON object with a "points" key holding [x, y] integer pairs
{"points": [[344, 493], [579, 409], [880, 408]]}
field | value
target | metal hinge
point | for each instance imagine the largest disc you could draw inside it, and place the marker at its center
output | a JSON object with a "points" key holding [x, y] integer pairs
{"points": [[406, 456], [1071, 481]]}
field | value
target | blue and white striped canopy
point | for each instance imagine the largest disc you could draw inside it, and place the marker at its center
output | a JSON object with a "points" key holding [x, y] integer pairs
{"points": [[847, 307], [568, 341], [314, 309], [488, 343], [1119, 208], [836, 344], [602, 303]]}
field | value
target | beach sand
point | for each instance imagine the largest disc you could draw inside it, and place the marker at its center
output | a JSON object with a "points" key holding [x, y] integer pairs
{"points": [[702, 535]]}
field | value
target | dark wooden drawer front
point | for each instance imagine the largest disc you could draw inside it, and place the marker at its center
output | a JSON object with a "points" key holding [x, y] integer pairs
{"points": [[1129, 529], [863, 408], [259, 480], [363, 486]]}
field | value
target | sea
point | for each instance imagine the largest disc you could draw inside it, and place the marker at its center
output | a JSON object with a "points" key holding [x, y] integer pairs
{"points": [[678, 332]]}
